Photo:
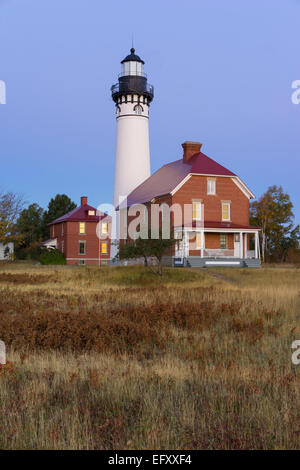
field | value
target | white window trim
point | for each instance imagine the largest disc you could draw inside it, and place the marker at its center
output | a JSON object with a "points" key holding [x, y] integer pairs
{"points": [[84, 242], [226, 248], [104, 243], [200, 204], [104, 232], [229, 211], [81, 233], [211, 180]]}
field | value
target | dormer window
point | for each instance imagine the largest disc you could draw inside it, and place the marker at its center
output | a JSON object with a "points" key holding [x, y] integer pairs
{"points": [[91, 212], [211, 186]]}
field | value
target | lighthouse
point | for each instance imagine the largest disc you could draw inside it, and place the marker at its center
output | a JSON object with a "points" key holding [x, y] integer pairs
{"points": [[132, 96]]}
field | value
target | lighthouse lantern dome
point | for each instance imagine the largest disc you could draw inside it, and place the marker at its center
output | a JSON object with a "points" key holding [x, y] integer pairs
{"points": [[132, 64]]}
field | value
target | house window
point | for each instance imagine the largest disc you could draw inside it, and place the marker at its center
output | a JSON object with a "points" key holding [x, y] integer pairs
{"points": [[62, 229], [91, 212], [104, 262], [225, 211], [62, 246], [52, 231], [104, 248], [223, 241], [196, 210], [81, 249], [82, 228], [211, 187], [81, 262], [104, 226]]}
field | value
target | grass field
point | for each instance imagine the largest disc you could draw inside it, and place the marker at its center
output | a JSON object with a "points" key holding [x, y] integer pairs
{"points": [[116, 358]]}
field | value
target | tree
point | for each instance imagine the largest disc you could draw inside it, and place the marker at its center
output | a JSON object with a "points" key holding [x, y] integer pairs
{"points": [[273, 214], [290, 243], [148, 248], [52, 257], [10, 206], [29, 224], [58, 206]]}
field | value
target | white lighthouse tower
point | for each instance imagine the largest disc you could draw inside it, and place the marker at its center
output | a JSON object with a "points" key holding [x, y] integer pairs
{"points": [[132, 96]]}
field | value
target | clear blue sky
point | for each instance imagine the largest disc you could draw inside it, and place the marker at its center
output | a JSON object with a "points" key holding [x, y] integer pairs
{"points": [[222, 72]]}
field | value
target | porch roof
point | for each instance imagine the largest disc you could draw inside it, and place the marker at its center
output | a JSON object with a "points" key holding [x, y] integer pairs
{"points": [[208, 224]]}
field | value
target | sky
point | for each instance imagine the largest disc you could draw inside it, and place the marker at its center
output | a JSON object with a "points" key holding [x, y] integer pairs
{"points": [[222, 75]]}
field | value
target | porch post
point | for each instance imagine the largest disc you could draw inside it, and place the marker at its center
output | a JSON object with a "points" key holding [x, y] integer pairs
{"points": [[202, 242], [241, 244], [246, 245], [256, 245]]}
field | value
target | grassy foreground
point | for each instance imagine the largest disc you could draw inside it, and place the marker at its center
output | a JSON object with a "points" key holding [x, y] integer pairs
{"points": [[115, 358]]}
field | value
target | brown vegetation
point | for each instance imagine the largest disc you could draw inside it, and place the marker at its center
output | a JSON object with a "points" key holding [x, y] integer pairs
{"points": [[117, 358]]}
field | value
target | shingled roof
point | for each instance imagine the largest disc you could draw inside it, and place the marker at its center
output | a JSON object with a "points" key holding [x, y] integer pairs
{"points": [[81, 214], [165, 180]]}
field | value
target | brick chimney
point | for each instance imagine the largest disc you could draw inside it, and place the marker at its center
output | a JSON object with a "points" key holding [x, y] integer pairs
{"points": [[190, 149], [83, 200]]}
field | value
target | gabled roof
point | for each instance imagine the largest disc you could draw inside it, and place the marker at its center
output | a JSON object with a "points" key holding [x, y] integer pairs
{"points": [[168, 177], [80, 214]]}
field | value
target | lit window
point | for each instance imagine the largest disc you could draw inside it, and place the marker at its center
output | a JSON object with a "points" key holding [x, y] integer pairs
{"points": [[196, 210], [82, 227], [104, 248], [104, 227], [225, 210], [198, 241], [223, 241], [211, 186], [82, 248], [91, 212]]}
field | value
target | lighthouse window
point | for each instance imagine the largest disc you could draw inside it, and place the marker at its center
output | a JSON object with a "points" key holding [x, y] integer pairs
{"points": [[138, 109]]}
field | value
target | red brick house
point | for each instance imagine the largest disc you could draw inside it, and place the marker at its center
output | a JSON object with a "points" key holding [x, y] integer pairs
{"points": [[214, 230], [75, 235]]}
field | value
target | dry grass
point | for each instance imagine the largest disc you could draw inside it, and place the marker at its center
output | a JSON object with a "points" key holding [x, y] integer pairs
{"points": [[115, 358]]}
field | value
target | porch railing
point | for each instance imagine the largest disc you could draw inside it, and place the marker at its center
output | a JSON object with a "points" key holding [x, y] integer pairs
{"points": [[209, 253]]}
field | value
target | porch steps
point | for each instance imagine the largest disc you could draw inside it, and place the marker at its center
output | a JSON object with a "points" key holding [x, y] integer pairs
{"points": [[198, 262], [252, 263]]}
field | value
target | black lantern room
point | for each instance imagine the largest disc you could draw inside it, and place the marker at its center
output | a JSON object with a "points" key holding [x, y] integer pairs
{"points": [[132, 79]]}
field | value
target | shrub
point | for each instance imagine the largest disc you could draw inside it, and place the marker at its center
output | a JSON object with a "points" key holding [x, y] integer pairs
{"points": [[52, 257]]}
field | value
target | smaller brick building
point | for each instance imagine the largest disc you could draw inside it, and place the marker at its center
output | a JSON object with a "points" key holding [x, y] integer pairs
{"points": [[75, 234]]}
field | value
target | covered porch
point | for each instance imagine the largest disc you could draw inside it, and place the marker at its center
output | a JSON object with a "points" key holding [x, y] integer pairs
{"points": [[225, 245]]}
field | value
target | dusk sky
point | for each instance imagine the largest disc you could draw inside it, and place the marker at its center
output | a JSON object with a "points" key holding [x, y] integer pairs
{"points": [[222, 75]]}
